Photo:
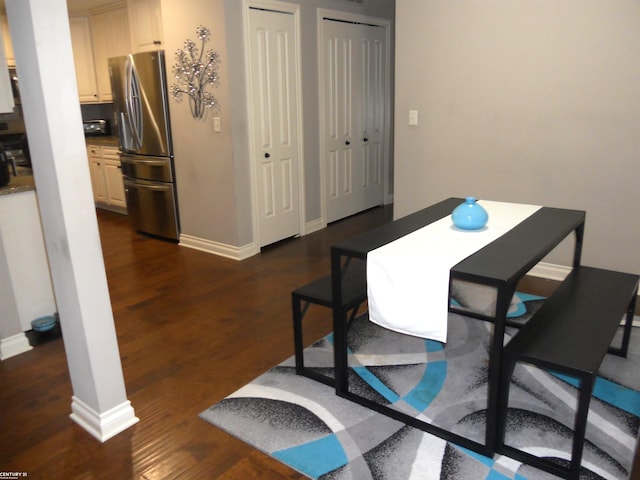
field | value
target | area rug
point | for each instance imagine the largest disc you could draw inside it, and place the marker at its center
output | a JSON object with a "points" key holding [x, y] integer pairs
{"points": [[303, 424]]}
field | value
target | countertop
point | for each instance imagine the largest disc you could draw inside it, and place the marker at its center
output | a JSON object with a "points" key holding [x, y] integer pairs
{"points": [[21, 183], [107, 141], [24, 181]]}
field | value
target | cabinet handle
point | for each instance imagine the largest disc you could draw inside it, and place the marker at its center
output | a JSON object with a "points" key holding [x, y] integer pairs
{"points": [[157, 42]]}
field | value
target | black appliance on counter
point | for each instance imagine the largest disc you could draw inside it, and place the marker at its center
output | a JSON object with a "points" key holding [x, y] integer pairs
{"points": [[96, 128], [141, 112], [15, 149], [5, 176]]}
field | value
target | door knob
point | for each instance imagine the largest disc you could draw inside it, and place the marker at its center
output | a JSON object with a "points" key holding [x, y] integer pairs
{"points": [[347, 142], [365, 139], [267, 155]]}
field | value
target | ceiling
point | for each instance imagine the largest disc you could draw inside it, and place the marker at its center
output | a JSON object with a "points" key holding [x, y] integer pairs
{"points": [[79, 6], [83, 6]]}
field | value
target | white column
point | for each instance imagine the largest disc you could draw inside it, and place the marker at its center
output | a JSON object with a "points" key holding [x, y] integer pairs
{"points": [[44, 58]]}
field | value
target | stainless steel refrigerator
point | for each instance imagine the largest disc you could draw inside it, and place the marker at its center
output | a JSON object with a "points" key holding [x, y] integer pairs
{"points": [[141, 110]]}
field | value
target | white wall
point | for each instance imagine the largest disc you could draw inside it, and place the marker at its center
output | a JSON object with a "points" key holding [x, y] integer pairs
{"points": [[25, 259], [527, 101]]}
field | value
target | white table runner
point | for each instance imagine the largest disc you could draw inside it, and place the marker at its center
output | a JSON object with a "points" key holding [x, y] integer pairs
{"points": [[408, 279]]}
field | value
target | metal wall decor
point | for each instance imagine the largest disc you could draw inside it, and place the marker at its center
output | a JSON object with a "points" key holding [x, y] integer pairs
{"points": [[194, 71]]}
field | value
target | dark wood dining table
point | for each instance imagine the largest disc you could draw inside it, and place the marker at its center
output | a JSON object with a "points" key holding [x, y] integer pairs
{"points": [[500, 265]]}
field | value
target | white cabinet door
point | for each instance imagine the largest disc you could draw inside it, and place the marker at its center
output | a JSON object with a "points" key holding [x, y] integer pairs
{"points": [[110, 33], [83, 59], [113, 177], [6, 38], [98, 185], [6, 94], [145, 17]]}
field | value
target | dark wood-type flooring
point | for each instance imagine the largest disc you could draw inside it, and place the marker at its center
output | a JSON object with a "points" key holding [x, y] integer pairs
{"points": [[192, 328]]}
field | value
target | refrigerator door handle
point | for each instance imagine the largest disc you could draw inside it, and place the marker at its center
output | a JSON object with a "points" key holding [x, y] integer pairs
{"points": [[132, 103]]}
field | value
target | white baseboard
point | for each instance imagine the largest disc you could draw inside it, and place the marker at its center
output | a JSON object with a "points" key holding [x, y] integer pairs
{"points": [[105, 425], [559, 272], [314, 226], [216, 248], [550, 271], [14, 345]]}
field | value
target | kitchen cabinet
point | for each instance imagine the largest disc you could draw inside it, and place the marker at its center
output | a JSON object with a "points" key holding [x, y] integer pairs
{"points": [[6, 39], [83, 59], [96, 167], [145, 17], [113, 177], [106, 178], [110, 34]]}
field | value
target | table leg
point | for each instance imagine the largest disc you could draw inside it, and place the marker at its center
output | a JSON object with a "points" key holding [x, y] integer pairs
{"points": [[577, 251], [339, 326], [505, 294]]}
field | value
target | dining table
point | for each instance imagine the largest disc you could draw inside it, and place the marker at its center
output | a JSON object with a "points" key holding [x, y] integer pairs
{"points": [[497, 266]]}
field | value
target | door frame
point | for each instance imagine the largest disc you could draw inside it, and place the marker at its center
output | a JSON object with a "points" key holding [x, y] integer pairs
{"points": [[293, 9], [338, 15]]}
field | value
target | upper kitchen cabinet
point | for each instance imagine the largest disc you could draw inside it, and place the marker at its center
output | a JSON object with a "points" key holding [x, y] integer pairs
{"points": [[110, 33], [6, 38], [83, 59], [145, 18]]}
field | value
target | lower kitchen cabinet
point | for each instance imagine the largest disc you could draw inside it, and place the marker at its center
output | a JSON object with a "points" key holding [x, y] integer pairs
{"points": [[106, 178]]}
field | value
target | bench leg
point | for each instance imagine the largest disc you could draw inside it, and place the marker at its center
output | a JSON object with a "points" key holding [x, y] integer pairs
{"points": [[587, 383], [508, 365], [585, 392], [626, 335], [298, 345]]}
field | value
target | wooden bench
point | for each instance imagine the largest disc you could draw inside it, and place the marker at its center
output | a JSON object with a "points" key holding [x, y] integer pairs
{"points": [[570, 334], [319, 292]]}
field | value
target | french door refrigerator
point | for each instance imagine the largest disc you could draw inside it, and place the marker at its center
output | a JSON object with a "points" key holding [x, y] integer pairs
{"points": [[141, 111]]}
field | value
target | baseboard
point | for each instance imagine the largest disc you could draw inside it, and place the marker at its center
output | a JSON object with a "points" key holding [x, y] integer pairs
{"points": [[314, 226], [14, 345], [216, 248], [551, 271], [105, 425]]}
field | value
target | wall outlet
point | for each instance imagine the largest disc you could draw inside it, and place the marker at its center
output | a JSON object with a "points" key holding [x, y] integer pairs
{"points": [[413, 117], [216, 124]]}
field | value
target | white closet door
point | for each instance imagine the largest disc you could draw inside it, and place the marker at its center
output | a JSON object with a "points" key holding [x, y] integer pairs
{"points": [[354, 58], [274, 97]]}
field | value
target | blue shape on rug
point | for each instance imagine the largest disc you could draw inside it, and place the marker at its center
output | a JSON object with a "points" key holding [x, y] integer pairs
{"points": [[610, 392], [315, 458], [432, 381]]}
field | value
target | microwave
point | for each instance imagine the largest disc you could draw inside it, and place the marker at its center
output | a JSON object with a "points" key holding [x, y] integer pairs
{"points": [[13, 78]]}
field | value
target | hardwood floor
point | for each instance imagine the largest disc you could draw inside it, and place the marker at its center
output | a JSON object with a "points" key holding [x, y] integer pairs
{"points": [[192, 328]]}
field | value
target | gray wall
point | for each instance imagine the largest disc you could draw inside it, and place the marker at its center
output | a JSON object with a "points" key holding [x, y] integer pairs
{"points": [[524, 101]]}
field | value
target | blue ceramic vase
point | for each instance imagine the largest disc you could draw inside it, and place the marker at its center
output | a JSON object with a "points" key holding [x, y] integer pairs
{"points": [[469, 215]]}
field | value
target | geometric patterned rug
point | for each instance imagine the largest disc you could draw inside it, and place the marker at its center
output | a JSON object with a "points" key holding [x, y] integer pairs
{"points": [[303, 424]]}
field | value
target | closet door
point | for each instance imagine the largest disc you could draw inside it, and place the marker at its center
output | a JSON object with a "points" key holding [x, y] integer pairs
{"points": [[274, 105], [354, 57]]}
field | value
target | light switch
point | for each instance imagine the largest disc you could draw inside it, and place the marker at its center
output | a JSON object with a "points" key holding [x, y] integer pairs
{"points": [[216, 124], [413, 117]]}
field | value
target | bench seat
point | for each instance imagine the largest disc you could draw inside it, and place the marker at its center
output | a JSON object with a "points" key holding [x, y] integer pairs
{"points": [[571, 333], [319, 292]]}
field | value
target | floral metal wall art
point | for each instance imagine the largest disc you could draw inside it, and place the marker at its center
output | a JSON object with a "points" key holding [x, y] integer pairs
{"points": [[194, 71]]}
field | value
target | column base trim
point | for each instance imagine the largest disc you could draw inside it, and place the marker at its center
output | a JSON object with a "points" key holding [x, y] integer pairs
{"points": [[105, 425]]}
